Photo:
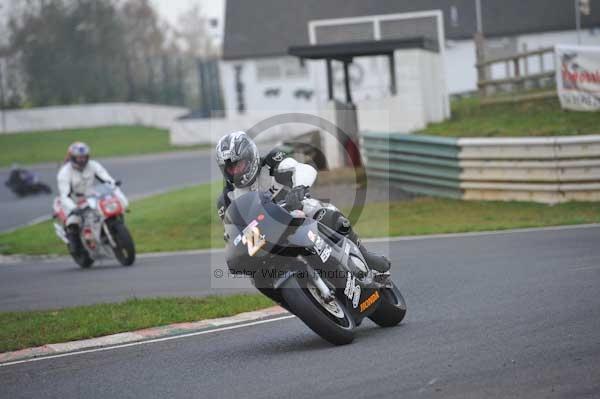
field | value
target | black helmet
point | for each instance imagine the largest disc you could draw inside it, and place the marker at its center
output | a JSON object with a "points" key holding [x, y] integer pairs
{"points": [[238, 158]]}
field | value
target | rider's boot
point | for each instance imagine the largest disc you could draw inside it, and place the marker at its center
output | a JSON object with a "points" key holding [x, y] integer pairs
{"points": [[379, 263]]}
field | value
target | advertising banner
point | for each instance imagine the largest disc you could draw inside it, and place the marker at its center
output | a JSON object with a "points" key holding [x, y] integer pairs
{"points": [[578, 77]]}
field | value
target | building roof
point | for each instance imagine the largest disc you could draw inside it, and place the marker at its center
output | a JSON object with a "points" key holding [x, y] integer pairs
{"points": [[262, 28], [347, 51]]}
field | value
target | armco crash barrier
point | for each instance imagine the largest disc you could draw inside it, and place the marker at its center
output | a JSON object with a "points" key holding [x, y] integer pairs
{"points": [[544, 169]]}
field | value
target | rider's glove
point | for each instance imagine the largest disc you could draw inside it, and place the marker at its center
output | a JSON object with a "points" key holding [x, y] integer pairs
{"points": [[293, 199]]}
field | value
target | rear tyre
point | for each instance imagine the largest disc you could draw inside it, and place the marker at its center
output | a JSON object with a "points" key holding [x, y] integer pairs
{"points": [[338, 330], [391, 309], [125, 249]]}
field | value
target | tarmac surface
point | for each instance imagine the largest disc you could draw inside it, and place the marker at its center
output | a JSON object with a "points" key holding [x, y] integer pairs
{"points": [[141, 176], [494, 315]]}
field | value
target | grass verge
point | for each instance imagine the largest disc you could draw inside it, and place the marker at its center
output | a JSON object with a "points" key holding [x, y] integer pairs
{"points": [[426, 215], [186, 219], [180, 220], [35, 147], [28, 329], [531, 118]]}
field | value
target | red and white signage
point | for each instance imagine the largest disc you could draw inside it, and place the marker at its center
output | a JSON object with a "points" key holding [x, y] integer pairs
{"points": [[578, 77]]}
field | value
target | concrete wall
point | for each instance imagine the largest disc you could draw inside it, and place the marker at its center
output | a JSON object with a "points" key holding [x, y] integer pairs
{"points": [[420, 99], [200, 131], [90, 115]]}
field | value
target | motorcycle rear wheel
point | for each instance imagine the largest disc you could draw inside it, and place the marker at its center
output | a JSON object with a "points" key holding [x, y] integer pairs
{"points": [[338, 331], [125, 249], [392, 308]]}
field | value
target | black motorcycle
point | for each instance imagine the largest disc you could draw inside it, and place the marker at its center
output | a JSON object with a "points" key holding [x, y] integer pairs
{"points": [[311, 270], [24, 182]]}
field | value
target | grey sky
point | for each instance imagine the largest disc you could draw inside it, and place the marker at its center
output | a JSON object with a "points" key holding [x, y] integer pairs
{"points": [[171, 9]]}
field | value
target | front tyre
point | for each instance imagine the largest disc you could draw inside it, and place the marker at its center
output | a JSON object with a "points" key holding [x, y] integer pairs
{"points": [[82, 258], [125, 248], [391, 309], [336, 327]]}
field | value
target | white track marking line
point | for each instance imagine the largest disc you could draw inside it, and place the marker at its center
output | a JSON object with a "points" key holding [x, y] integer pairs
{"points": [[150, 341], [484, 233], [584, 268]]}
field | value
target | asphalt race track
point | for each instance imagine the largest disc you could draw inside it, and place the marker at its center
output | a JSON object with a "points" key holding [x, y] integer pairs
{"points": [[57, 284], [141, 175], [503, 315]]}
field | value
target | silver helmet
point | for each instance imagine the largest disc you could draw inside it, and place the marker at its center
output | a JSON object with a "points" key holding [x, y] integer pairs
{"points": [[79, 155], [238, 158]]}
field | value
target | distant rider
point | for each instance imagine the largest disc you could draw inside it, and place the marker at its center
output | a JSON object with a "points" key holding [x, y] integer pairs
{"points": [[76, 179], [286, 179]]}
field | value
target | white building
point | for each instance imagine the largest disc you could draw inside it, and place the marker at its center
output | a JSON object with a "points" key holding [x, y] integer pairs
{"points": [[260, 78], [259, 33]]}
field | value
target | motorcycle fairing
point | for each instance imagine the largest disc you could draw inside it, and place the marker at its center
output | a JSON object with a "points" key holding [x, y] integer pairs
{"points": [[285, 239]]}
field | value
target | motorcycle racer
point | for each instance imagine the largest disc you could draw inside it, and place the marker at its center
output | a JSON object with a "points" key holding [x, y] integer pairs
{"points": [[287, 180], [76, 178]]}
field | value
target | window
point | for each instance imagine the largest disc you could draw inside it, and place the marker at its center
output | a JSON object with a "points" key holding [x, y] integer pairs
{"points": [[268, 70], [280, 68], [454, 16]]}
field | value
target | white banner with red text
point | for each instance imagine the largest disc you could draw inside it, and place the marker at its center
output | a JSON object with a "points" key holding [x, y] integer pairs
{"points": [[578, 77]]}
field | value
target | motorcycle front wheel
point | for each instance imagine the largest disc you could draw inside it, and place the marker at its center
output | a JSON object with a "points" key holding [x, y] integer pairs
{"points": [[331, 320], [82, 258], [125, 249]]}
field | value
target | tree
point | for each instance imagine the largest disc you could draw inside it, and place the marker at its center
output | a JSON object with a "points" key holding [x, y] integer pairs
{"points": [[70, 51], [86, 51], [144, 39], [193, 35]]}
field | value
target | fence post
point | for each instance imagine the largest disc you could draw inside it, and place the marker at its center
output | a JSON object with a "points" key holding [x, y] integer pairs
{"points": [[525, 61], [480, 57]]}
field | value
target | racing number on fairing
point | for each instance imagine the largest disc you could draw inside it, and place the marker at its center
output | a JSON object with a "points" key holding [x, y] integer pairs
{"points": [[253, 240]]}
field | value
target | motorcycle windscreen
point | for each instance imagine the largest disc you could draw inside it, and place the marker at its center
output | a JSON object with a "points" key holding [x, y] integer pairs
{"points": [[254, 223]]}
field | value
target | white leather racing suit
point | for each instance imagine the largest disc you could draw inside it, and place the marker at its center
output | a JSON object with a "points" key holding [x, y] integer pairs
{"points": [[74, 184]]}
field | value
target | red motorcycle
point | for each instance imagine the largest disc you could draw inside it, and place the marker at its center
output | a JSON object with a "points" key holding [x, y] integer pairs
{"points": [[103, 232]]}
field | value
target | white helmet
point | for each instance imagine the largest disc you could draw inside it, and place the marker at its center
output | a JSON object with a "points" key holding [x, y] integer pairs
{"points": [[79, 155]]}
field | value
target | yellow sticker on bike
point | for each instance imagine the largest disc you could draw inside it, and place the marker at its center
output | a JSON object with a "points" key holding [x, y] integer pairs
{"points": [[253, 239]]}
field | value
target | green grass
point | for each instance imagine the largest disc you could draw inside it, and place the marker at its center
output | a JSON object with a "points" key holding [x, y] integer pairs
{"points": [[35, 147], [532, 118], [186, 219], [427, 215], [179, 220], [28, 329]]}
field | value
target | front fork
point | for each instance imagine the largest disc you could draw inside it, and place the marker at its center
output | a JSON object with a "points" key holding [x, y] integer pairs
{"points": [[109, 236], [327, 294]]}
